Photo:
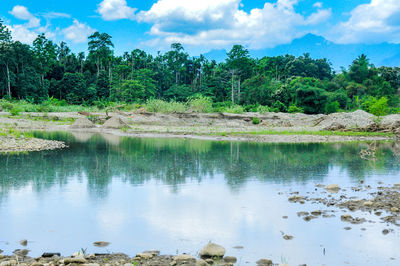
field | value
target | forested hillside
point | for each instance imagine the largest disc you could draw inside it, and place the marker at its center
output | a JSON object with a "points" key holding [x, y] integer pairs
{"points": [[282, 83]]}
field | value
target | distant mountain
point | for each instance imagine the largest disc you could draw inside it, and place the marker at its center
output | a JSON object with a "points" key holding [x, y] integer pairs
{"points": [[340, 55]]}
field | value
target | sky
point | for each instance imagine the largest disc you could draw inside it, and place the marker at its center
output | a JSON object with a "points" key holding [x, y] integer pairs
{"points": [[202, 25]]}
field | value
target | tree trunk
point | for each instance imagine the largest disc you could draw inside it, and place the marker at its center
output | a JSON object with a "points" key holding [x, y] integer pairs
{"points": [[8, 80], [233, 98], [239, 91]]}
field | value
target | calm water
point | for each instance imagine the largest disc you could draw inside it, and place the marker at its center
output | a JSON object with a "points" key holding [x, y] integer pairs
{"points": [[175, 195]]}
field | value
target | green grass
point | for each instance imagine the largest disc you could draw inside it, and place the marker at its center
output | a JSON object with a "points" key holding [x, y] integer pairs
{"points": [[312, 133], [12, 132]]}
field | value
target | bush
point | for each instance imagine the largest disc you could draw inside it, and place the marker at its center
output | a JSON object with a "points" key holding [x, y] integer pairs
{"points": [[15, 110], [160, 106], [294, 109], [6, 106], [234, 109], [332, 107], [263, 109], [378, 107], [278, 107], [256, 120], [200, 104]]}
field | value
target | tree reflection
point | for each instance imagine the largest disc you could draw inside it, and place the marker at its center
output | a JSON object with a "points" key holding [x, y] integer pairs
{"points": [[100, 158]]}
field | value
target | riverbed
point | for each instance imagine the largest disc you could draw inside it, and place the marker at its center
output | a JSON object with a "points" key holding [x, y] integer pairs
{"points": [[176, 195]]}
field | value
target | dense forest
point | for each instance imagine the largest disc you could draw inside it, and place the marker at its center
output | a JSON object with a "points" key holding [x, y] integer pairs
{"points": [[46, 70]]}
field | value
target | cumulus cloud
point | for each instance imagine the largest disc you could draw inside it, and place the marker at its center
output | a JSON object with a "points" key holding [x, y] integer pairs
{"points": [[115, 9], [21, 12], [220, 23], [78, 32], [317, 4], [319, 16], [375, 22]]}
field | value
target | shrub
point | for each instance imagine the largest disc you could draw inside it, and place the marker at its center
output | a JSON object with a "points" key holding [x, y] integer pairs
{"points": [[160, 106], [294, 109], [263, 109], [200, 104], [6, 106], [278, 107], [256, 120], [234, 109], [332, 107], [378, 107], [15, 110]]}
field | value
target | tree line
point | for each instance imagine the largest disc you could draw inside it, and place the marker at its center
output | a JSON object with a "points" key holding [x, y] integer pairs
{"points": [[286, 83]]}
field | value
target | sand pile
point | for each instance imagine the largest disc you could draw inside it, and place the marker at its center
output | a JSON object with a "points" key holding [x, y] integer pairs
{"points": [[114, 123], [82, 123]]}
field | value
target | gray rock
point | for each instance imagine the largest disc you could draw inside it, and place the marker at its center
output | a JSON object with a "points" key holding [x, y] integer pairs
{"points": [[78, 259], [183, 259], [201, 262], [101, 244], [212, 250], [230, 259], [264, 262], [8, 263], [23, 242]]}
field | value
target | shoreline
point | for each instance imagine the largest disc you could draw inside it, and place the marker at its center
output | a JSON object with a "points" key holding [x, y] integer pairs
{"points": [[274, 127]]}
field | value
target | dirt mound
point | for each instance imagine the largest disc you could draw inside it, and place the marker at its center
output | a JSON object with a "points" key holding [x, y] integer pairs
{"points": [[114, 123], [82, 123], [359, 119]]}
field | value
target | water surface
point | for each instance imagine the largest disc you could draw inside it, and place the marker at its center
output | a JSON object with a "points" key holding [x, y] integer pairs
{"points": [[175, 195]]}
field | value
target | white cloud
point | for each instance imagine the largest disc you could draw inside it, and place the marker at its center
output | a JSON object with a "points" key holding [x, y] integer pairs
{"points": [[220, 23], [77, 32], [319, 16], [21, 12], [317, 4], [23, 34], [52, 15], [375, 22], [115, 9]]}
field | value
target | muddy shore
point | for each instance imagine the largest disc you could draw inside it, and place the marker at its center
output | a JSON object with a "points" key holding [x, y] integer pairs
{"points": [[273, 127]]}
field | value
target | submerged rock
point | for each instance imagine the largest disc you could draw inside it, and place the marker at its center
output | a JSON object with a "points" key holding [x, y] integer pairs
{"points": [[101, 244], [332, 188], [212, 250]]}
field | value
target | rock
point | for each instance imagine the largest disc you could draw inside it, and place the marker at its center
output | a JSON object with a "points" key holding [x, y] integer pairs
{"points": [[384, 231], [284, 217], [8, 263], [77, 259], [350, 219], [316, 213], [145, 256], [347, 228], [82, 123], [264, 262], [153, 252], [210, 261], [114, 123], [212, 250], [184, 258], [238, 247], [334, 126], [23, 242], [287, 237], [50, 254], [332, 188], [368, 204], [21, 252], [101, 244], [230, 259], [394, 209], [96, 264], [201, 262], [309, 218]]}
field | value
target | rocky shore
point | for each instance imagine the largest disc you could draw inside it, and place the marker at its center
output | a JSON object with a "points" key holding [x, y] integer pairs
{"points": [[211, 254], [23, 144]]}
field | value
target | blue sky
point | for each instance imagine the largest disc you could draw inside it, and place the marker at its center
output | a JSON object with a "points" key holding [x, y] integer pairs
{"points": [[203, 25]]}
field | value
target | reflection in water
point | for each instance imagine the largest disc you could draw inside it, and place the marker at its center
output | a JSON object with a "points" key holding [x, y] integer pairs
{"points": [[170, 191]]}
